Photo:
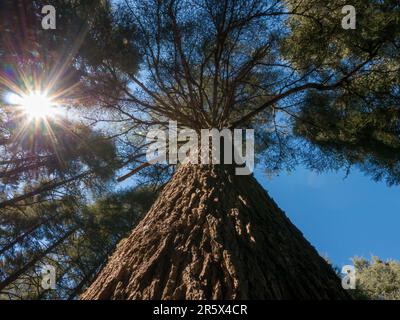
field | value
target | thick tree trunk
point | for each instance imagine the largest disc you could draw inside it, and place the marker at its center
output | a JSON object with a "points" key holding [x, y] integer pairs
{"points": [[214, 235]]}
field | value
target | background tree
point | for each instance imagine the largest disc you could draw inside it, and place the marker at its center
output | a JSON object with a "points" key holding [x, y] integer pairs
{"points": [[356, 124], [52, 167], [377, 279], [77, 255]]}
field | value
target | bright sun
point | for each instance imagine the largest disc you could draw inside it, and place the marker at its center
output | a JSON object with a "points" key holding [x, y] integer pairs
{"points": [[36, 105]]}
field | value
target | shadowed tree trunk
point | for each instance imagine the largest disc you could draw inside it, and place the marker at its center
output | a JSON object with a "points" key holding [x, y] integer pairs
{"points": [[214, 235]]}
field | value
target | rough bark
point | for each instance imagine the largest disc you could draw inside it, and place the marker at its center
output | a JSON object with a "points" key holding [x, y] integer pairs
{"points": [[214, 235]]}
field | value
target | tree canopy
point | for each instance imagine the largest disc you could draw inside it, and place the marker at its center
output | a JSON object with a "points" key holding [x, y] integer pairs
{"points": [[316, 93], [377, 279]]}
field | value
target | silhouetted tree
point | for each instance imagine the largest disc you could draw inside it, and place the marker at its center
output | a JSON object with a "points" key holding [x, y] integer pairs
{"points": [[51, 168]]}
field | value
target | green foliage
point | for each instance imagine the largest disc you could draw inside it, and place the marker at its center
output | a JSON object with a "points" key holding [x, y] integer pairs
{"points": [[56, 173], [317, 39], [97, 228], [368, 139], [357, 121], [377, 279], [70, 63]]}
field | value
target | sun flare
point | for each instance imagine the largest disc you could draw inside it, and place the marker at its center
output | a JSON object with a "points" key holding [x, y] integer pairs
{"points": [[36, 105]]}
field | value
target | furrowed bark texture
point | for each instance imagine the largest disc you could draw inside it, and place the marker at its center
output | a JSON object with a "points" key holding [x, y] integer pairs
{"points": [[214, 235]]}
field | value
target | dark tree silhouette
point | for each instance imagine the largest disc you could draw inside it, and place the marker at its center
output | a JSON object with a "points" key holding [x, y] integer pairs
{"points": [[51, 168]]}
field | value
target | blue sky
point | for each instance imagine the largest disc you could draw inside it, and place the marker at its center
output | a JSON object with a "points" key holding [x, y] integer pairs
{"points": [[342, 217]]}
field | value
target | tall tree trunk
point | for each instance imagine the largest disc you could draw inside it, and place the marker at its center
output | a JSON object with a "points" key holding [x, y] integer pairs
{"points": [[214, 235]]}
